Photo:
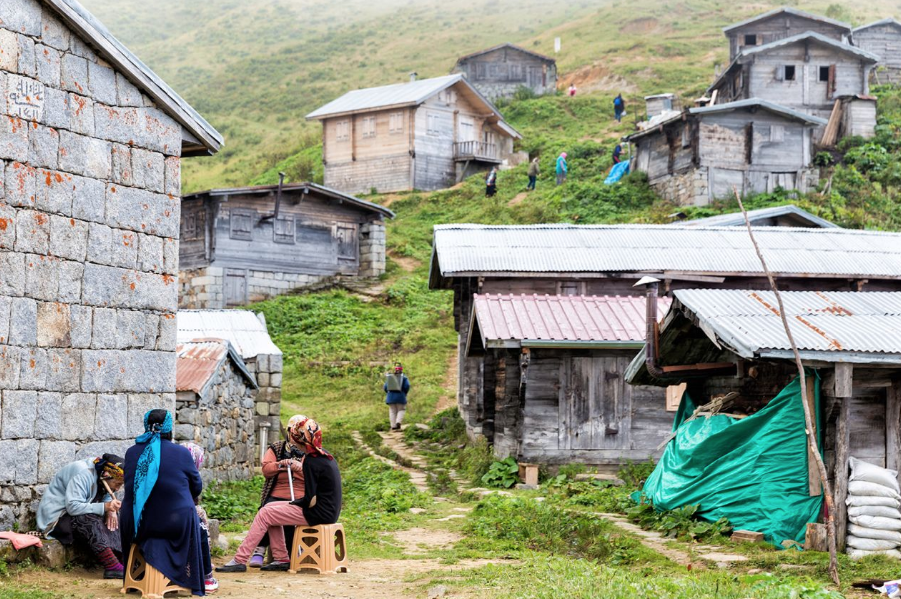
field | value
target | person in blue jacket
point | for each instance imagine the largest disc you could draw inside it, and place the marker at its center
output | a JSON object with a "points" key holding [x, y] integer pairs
{"points": [[562, 168], [397, 385]]}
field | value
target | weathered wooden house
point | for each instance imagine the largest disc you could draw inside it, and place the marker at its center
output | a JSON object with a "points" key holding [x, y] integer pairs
{"points": [[882, 38], [779, 24], [843, 336], [753, 146], [215, 400], [426, 134], [501, 70], [252, 243], [788, 215], [91, 143], [607, 260]]}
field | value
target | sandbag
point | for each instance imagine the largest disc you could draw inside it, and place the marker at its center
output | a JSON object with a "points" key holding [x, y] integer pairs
{"points": [[870, 544], [862, 487], [864, 471], [875, 510], [862, 500], [876, 522], [874, 533], [858, 553]]}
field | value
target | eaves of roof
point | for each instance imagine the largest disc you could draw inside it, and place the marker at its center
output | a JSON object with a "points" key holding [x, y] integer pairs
{"points": [[792, 11]]}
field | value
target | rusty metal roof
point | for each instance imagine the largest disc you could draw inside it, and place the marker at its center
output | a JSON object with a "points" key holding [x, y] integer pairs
{"points": [[512, 321], [242, 328], [197, 362]]}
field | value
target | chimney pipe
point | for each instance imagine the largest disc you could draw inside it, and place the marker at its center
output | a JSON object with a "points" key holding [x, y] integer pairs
{"points": [[278, 195], [413, 76]]}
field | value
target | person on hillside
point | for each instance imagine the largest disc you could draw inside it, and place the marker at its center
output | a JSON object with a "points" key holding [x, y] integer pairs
{"points": [[211, 584], [320, 503], [562, 168], [617, 151], [619, 108], [79, 504], [533, 173], [491, 182], [572, 90], [396, 387], [282, 468]]}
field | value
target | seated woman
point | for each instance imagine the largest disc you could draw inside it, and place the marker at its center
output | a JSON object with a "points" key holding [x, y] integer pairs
{"points": [[320, 504], [158, 512], [79, 505], [211, 585], [279, 479]]}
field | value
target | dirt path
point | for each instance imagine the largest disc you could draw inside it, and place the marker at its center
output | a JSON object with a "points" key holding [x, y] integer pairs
{"points": [[518, 199], [406, 264], [448, 399]]}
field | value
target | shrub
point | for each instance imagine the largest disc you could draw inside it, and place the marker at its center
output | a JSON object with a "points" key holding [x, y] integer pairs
{"points": [[682, 522], [504, 473], [234, 499], [823, 159]]}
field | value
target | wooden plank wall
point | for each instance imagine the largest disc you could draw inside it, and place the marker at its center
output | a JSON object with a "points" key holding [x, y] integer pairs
{"points": [[884, 41], [501, 72], [192, 244], [777, 28]]}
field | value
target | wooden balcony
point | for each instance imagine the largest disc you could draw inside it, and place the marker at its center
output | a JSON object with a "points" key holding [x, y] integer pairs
{"points": [[479, 151]]}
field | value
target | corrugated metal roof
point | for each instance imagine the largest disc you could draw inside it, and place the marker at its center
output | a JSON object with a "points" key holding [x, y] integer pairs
{"points": [[758, 103], [239, 327], [466, 250], [833, 322], [791, 11], [888, 21], [517, 320], [399, 94], [196, 363], [737, 219], [806, 36]]}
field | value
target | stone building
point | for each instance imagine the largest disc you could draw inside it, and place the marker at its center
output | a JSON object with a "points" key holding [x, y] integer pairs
{"points": [[215, 407], [90, 148], [247, 334], [249, 244], [500, 71]]}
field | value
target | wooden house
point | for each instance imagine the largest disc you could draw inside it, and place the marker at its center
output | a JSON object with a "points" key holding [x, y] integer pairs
{"points": [[882, 38], [754, 146], [841, 335], [779, 24], [500, 71], [426, 134], [607, 260], [251, 243]]}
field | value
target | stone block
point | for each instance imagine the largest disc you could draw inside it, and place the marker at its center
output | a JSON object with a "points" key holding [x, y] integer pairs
{"points": [[49, 415], [159, 132], [91, 199], [121, 164], [54, 191], [168, 335], [80, 326], [183, 432], [98, 448], [9, 51], [22, 16], [143, 211], [151, 330], [20, 180], [138, 405], [7, 227], [23, 322], [79, 48], [70, 277], [27, 461], [81, 115], [149, 170], [111, 420], [5, 308], [275, 379], [118, 124], [43, 147], [150, 255], [102, 82], [262, 363], [13, 139], [262, 408], [32, 232], [127, 93], [104, 335], [54, 34], [68, 238], [275, 363], [33, 369], [56, 108], [62, 369], [47, 65], [18, 414], [26, 57], [74, 74], [99, 243], [10, 360], [41, 277], [7, 465], [263, 379], [123, 249], [130, 329], [13, 267], [121, 288], [79, 412], [52, 554], [137, 371], [170, 256], [53, 325], [53, 455], [84, 155], [173, 176]]}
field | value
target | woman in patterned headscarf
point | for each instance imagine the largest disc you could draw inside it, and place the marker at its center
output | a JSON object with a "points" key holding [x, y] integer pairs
{"points": [[158, 513], [320, 503], [79, 503]]}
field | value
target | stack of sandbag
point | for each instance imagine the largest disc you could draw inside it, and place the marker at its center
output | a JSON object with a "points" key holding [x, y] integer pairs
{"points": [[874, 511]]}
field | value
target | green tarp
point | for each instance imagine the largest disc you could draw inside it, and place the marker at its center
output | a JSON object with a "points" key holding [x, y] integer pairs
{"points": [[752, 471]]}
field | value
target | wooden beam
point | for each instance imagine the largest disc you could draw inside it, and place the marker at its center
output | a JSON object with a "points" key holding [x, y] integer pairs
{"points": [[893, 427], [842, 454], [844, 379], [813, 475]]}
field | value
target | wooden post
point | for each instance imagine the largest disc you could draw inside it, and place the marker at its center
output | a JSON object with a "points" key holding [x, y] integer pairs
{"points": [[842, 454], [815, 484], [893, 427], [844, 376]]}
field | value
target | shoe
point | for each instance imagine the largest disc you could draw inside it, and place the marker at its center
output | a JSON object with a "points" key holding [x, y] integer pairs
{"points": [[232, 568], [276, 567], [210, 585], [256, 561], [114, 573]]}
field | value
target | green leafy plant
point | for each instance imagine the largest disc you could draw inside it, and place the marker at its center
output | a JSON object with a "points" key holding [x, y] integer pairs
{"points": [[682, 523], [503, 473], [823, 159], [232, 500]]}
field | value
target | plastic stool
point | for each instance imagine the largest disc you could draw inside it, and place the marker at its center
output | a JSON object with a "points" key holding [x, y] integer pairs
{"points": [[322, 548], [141, 576]]}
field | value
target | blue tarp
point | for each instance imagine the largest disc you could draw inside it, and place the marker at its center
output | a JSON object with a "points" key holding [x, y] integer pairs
{"points": [[618, 171]]}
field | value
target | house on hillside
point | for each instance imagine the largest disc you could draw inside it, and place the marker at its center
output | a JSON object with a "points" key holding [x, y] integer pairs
{"points": [[215, 400], [91, 142], [606, 260], [426, 134], [841, 336], [252, 243], [788, 215], [882, 38], [779, 24], [753, 146], [501, 70], [260, 359]]}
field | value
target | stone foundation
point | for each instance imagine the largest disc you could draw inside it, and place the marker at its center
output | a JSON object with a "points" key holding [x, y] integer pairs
{"points": [[685, 189], [267, 368], [372, 249]]}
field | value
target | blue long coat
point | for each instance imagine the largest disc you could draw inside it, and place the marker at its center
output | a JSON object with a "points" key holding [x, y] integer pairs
{"points": [[169, 535]]}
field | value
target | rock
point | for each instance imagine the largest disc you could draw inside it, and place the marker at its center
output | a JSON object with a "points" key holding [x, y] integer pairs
{"points": [[52, 554], [417, 510], [753, 571], [422, 426], [525, 487], [437, 592]]}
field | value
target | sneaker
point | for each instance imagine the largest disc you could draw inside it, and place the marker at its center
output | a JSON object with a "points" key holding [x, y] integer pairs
{"points": [[276, 567], [118, 572], [232, 568], [210, 585], [256, 561]]}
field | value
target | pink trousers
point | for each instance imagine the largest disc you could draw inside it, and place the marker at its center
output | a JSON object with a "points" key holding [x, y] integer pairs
{"points": [[271, 518]]}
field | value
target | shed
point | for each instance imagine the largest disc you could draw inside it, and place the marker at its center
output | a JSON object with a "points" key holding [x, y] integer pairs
{"points": [[499, 71], [846, 337], [247, 334], [248, 244], [882, 38], [788, 215], [778, 24], [425, 134], [659, 104], [215, 396]]}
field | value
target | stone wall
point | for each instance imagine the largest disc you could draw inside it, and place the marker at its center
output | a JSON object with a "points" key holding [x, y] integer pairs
{"points": [[89, 221], [372, 249], [688, 188], [222, 422], [267, 368]]}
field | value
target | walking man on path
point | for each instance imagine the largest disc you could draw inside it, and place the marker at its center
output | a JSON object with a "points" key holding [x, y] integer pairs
{"points": [[619, 107], [397, 385], [562, 168], [533, 173]]}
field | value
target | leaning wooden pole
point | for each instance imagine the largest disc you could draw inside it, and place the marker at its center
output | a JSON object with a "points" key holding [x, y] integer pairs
{"points": [[808, 417]]}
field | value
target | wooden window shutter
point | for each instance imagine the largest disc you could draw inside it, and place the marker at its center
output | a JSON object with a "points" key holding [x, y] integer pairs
{"points": [[780, 73], [749, 142], [831, 83]]}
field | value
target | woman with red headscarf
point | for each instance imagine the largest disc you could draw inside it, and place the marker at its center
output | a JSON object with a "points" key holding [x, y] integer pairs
{"points": [[320, 504]]}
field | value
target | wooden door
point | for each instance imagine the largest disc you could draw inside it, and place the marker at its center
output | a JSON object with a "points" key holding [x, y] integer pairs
{"points": [[536, 78], [235, 287], [867, 428], [348, 246], [595, 405]]}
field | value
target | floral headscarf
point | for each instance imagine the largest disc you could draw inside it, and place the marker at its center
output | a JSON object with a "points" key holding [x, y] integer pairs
{"points": [[308, 432], [148, 469], [196, 452], [109, 467]]}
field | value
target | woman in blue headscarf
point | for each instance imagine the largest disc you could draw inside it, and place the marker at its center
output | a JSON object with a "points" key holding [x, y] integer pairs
{"points": [[158, 511]]}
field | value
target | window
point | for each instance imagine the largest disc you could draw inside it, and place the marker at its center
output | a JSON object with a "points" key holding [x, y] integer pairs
{"points": [[368, 126], [283, 229], [515, 72], [241, 224], [824, 74], [192, 226], [433, 122], [777, 133], [342, 130], [674, 395], [570, 288], [346, 236], [396, 122], [686, 136], [789, 71], [467, 130], [751, 39]]}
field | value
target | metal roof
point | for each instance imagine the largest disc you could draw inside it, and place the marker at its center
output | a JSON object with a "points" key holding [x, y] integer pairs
{"points": [[523, 250], [758, 103], [198, 361], [85, 25], [513, 321], [506, 45], [737, 219], [303, 187], [792, 11], [828, 325], [242, 328], [888, 21], [806, 36]]}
